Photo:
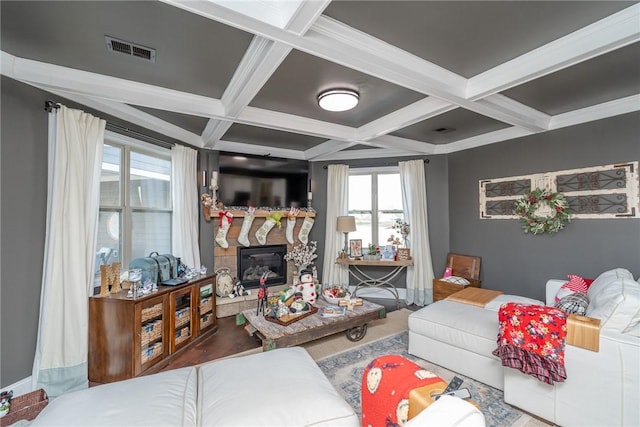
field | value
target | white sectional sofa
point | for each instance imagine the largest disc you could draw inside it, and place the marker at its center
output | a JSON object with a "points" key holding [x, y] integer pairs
{"points": [[283, 387], [602, 388]]}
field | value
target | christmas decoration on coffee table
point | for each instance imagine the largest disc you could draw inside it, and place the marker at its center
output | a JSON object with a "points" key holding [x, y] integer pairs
{"points": [[542, 211]]}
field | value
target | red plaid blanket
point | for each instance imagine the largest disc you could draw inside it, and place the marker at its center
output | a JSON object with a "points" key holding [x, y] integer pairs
{"points": [[531, 339]]}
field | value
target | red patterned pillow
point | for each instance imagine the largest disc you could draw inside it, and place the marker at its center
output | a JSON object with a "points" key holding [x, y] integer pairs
{"points": [[575, 284]]}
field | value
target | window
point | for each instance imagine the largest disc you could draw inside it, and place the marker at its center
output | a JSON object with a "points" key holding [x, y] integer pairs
{"points": [[375, 199], [135, 202]]}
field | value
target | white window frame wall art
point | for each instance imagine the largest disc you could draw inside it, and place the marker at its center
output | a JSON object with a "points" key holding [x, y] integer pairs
{"points": [[602, 192]]}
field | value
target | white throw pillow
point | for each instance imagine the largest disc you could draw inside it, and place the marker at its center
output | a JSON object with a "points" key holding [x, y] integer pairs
{"points": [[615, 299]]}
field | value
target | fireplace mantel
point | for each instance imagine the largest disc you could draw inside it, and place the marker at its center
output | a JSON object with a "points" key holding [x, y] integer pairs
{"points": [[210, 212]]}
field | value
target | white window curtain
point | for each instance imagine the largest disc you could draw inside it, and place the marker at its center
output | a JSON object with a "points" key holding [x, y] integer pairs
{"points": [[414, 200], [185, 205], [76, 141], [337, 205]]}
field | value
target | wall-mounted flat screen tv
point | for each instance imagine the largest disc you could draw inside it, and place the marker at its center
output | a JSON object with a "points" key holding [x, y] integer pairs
{"points": [[262, 181]]}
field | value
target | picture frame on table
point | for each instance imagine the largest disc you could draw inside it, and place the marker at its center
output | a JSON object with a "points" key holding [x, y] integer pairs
{"points": [[404, 254], [355, 246], [388, 253]]}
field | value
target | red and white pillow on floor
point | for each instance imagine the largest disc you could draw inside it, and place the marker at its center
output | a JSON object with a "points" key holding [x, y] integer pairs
{"points": [[575, 284]]}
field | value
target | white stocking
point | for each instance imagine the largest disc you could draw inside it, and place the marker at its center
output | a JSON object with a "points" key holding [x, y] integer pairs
{"points": [[225, 222], [262, 232], [307, 224], [291, 223], [243, 238]]}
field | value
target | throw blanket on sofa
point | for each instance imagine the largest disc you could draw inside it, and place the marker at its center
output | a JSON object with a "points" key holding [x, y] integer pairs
{"points": [[531, 339]]}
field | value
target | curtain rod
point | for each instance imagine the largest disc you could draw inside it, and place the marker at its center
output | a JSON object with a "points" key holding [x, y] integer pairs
{"points": [[147, 138], [384, 164], [50, 105]]}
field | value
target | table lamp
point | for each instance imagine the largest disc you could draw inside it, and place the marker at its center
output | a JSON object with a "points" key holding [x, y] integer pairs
{"points": [[345, 225]]}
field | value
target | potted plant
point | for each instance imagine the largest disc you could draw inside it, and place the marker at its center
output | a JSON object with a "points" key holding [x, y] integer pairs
{"points": [[372, 254]]}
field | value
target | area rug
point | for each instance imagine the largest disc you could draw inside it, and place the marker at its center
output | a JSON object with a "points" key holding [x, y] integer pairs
{"points": [[345, 369]]}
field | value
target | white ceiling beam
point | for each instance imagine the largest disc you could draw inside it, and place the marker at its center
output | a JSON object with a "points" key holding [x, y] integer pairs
{"points": [[276, 13], [296, 124], [133, 115], [328, 147], [259, 62], [610, 33], [397, 143], [372, 153], [418, 111], [484, 139], [306, 14], [596, 112], [259, 150], [517, 112], [214, 130], [55, 77]]}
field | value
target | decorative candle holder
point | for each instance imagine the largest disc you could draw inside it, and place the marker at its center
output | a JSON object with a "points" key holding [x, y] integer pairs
{"points": [[135, 277]]}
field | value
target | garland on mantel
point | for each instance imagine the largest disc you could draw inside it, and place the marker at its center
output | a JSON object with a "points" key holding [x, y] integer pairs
{"points": [[528, 205]]}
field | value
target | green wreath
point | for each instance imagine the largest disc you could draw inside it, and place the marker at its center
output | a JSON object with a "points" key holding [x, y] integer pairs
{"points": [[527, 206]]}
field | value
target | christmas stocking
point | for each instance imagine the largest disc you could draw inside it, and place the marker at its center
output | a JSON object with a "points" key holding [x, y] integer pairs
{"points": [[307, 224], [291, 222], [225, 222], [272, 220], [243, 238]]}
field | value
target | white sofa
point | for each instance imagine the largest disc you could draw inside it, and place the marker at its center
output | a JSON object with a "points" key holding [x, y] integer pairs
{"points": [[602, 388], [283, 387]]}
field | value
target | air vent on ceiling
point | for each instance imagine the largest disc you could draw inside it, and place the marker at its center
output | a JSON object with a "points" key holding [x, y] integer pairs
{"points": [[131, 49], [444, 130]]}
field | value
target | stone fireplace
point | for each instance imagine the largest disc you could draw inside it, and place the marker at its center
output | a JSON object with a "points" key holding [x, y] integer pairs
{"points": [[229, 257]]}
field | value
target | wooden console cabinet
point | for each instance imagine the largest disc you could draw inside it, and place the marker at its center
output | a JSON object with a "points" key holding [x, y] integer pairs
{"points": [[129, 337]]}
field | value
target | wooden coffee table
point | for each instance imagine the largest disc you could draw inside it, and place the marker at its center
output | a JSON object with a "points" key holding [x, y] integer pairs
{"points": [[313, 327]]}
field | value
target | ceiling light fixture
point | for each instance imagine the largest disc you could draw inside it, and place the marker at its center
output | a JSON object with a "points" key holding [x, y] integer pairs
{"points": [[338, 99]]}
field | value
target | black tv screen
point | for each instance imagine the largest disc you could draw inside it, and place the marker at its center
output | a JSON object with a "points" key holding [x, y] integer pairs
{"points": [[262, 181]]}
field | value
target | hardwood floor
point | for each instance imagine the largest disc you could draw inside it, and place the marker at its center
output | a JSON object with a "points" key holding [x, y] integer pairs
{"points": [[228, 339]]}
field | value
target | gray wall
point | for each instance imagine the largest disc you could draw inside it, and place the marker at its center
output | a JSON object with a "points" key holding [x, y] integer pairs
{"points": [[520, 263], [23, 208], [437, 196], [207, 160]]}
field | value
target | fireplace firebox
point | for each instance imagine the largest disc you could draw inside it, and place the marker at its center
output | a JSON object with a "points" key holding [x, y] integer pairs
{"points": [[254, 261]]}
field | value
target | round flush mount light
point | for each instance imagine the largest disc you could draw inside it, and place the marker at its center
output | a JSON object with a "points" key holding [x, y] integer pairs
{"points": [[338, 99]]}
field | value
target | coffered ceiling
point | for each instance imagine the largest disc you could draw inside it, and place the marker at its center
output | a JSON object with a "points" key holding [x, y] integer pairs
{"points": [[434, 77]]}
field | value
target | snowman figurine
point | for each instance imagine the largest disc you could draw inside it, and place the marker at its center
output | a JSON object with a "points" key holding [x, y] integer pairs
{"points": [[307, 286]]}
